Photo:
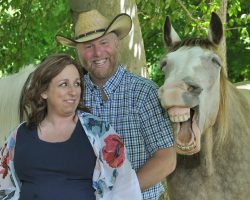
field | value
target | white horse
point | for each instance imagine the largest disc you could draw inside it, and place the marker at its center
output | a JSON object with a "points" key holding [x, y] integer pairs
{"points": [[10, 90], [211, 119]]}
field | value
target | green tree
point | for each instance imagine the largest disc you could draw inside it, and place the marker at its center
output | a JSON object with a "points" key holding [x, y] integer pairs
{"points": [[28, 28], [191, 18]]}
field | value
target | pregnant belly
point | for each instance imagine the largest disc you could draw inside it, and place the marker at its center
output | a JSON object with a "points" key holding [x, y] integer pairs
{"points": [[57, 190]]}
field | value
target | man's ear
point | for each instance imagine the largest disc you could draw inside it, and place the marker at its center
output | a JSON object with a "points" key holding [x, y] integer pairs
{"points": [[117, 41], [118, 45]]}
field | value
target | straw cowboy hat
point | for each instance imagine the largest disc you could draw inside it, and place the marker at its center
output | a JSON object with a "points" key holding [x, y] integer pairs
{"points": [[92, 25]]}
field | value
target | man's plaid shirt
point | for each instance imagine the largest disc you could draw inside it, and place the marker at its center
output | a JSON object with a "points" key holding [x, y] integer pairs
{"points": [[134, 110]]}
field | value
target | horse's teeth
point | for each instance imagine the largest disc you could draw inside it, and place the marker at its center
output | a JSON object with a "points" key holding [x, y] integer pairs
{"points": [[179, 118], [186, 148]]}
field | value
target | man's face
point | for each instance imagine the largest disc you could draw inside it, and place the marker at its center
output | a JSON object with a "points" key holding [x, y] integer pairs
{"points": [[100, 57]]}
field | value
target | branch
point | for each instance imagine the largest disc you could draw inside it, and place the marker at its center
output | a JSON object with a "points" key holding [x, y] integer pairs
{"points": [[47, 8], [186, 10], [228, 29], [190, 15], [63, 26]]}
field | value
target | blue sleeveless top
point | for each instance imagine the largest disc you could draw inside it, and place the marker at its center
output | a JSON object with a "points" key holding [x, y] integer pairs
{"points": [[54, 171]]}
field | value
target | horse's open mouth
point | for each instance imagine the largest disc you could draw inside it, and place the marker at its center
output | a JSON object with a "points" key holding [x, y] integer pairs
{"points": [[187, 133]]}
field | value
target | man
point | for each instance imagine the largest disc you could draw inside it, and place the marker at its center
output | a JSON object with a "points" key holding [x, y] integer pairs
{"points": [[127, 101]]}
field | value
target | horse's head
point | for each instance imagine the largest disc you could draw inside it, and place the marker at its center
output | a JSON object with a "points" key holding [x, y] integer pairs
{"points": [[191, 91]]}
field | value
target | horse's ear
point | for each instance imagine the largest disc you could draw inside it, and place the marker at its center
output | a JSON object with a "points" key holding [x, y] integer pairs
{"points": [[215, 31], [170, 35]]}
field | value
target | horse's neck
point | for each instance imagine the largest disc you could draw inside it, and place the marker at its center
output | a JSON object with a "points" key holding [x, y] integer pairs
{"points": [[207, 166], [236, 116]]}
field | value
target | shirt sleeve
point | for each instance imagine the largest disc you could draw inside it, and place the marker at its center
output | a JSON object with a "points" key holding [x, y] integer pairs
{"points": [[155, 124]]}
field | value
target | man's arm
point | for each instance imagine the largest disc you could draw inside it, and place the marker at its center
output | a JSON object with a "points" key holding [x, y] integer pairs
{"points": [[161, 164]]}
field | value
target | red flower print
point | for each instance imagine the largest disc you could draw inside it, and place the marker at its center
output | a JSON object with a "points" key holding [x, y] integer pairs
{"points": [[113, 151], [4, 164]]}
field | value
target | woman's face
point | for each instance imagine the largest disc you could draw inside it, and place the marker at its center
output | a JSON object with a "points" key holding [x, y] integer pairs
{"points": [[64, 92]]}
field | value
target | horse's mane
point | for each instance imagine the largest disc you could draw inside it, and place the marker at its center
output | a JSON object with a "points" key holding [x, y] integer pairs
{"points": [[10, 89], [234, 111], [229, 95]]}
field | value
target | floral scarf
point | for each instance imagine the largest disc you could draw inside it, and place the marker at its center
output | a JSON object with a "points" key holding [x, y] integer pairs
{"points": [[113, 177]]}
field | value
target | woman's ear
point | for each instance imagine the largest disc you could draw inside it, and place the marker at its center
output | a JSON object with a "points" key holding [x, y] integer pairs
{"points": [[44, 95]]}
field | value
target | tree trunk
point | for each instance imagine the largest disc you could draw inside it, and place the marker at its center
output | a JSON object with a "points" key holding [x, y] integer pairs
{"points": [[132, 53], [223, 46]]}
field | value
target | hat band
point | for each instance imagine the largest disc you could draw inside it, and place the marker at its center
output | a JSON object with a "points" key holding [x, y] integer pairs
{"points": [[89, 33]]}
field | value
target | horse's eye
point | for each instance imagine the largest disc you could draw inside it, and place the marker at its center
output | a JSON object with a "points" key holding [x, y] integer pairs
{"points": [[216, 61], [163, 64]]}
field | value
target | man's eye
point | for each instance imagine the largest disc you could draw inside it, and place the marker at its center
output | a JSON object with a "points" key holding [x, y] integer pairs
{"points": [[88, 46], [104, 42]]}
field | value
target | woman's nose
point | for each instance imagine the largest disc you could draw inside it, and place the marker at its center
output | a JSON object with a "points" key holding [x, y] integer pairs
{"points": [[72, 89]]}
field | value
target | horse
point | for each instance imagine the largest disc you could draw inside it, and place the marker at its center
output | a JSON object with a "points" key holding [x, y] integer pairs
{"points": [[210, 118], [10, 91]]}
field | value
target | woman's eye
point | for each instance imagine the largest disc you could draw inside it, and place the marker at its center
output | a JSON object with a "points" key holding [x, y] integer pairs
{"points": [[78, 84], [63, 85]]}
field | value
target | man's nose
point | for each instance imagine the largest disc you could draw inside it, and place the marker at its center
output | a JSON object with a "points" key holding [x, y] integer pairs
{"points": [[97, 50]]}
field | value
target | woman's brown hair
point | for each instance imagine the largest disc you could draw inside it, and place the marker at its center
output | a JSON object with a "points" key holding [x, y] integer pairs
{"points": [[32, 107]]}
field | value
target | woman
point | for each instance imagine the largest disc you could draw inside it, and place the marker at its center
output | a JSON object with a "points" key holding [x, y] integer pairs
{"points": [[62, 152]]}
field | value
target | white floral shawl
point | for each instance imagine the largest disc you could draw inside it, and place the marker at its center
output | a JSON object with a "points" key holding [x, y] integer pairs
{"points": [[113, 177]]}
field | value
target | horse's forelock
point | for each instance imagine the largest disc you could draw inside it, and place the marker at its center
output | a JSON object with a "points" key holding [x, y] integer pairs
{"points": [[192, 42]]}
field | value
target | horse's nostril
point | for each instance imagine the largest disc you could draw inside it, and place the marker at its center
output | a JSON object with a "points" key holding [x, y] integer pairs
{"points": [[194, 89]]}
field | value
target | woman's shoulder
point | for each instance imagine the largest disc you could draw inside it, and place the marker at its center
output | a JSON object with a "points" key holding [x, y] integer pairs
{"points": [[15, 130], [93, 124], [89, 117], [11, 139]]}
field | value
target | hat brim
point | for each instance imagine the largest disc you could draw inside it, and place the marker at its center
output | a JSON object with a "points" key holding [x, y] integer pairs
{"points": [[120, 25]]}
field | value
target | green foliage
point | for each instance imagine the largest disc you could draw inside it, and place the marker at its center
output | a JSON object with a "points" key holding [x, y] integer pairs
{"points": [[191, 19], [238, 41], [28, 29]]}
